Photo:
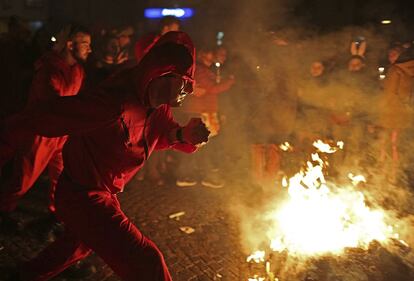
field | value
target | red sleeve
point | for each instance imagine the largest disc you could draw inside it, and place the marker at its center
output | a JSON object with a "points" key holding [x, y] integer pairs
{"points": [[46, 83], [61, 116], [143, 45], [50, 81], [167, 125]]}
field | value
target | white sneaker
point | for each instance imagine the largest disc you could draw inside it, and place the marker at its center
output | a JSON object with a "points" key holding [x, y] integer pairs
{"points": [[212, 183], [187, 182]]}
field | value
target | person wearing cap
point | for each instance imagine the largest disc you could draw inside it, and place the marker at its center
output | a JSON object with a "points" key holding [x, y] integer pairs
{"points": [[113, 129], [58, 73]]}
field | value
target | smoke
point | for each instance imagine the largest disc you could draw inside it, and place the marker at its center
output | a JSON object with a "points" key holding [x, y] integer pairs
{"points": [[297, 83], [276, 99]]}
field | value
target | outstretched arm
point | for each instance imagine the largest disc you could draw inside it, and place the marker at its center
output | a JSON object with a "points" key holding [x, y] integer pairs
{"points": [[61, 116]]}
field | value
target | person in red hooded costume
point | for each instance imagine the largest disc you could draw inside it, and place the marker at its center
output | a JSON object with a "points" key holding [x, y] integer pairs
{"points": [[58, 73], [111, 131]]}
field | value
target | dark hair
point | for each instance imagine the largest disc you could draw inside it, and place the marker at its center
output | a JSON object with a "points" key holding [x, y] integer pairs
{"points": [[406, 55], [169, 20], [75, 29]]}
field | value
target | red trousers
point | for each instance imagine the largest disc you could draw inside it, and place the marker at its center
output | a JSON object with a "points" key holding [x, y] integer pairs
{"points": [[95, 221], [28, 163]]}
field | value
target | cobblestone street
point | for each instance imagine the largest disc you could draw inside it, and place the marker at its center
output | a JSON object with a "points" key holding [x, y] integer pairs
{"points": [[200, 236], [211, 252]]}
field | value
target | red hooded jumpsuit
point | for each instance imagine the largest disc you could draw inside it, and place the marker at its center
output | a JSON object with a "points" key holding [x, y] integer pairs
{"points": [[144, 44], [54, 77], [112, 131]]}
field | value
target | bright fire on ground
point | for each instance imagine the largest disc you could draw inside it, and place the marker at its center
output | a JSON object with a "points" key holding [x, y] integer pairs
{"points": [[320, 218]]}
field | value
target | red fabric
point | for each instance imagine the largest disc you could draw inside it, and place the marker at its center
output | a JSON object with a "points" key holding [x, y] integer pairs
{"points": [[104, 150], [33, 153], [144, 44], [28, 163], [97, 223], [54, 77]]}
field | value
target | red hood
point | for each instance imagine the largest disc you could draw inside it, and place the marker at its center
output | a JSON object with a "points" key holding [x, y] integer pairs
{"points": [[166, 56]]}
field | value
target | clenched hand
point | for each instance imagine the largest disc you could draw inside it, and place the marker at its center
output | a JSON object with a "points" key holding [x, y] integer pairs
{"points": [[195, 132]]}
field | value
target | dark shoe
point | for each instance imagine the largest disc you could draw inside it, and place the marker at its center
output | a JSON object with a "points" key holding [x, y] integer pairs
{"points": [[10, 224], [80, 270]]}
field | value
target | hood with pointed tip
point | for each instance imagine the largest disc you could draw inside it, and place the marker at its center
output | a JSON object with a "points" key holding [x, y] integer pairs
{"points": [[174, 52]]}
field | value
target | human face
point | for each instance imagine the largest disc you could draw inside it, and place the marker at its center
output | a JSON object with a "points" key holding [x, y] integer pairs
{"points": [[393, 55], [170, 89], [355, 65], [316, 69], [124, 40], [81, 46], [174, 27]]}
